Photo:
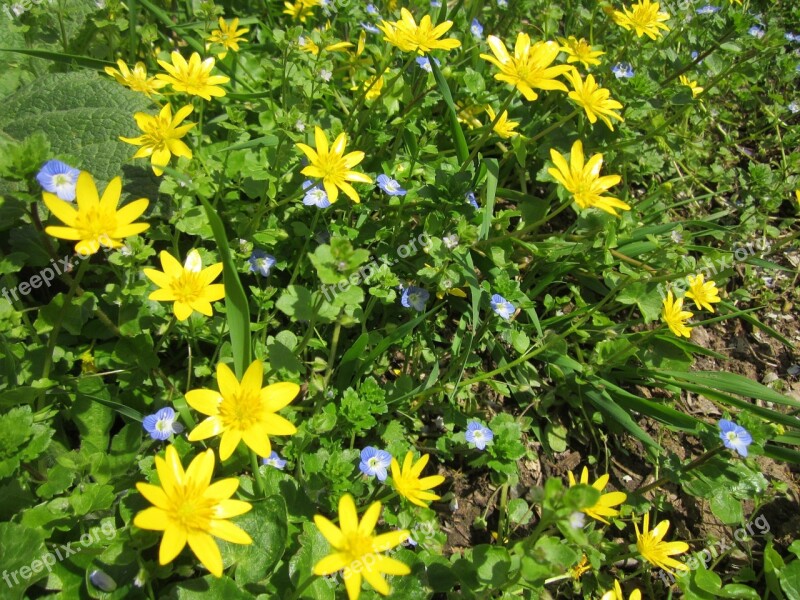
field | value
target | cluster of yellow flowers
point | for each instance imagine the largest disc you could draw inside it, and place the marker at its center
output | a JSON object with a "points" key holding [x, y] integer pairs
{"points": [[704, 293], [649, 543]]}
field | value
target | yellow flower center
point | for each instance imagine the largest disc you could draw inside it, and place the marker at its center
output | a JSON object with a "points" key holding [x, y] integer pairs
{"points": [[358, 546], [190, 510], [94, 224], [331, 165], [188, 287], [242, 410]]}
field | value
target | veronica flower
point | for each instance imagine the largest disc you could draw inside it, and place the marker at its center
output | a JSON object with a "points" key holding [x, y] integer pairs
{"points": [[162, 424], [476, 29], [369, 27], [708, 9], [502, 307], [371, 10], [59, 178], [414, 297], [315, 195], [734, 436], [390, 186], [261, 262], [424, 63], [274, 460], [374, 462], [473, 201], [622, 70], [478, 434], [756, 31]]}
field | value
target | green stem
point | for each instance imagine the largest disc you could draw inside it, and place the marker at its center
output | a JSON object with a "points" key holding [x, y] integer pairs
{"points": [[302, 587], [51, 342], [695, 463], [260, 483], [486, 133]]}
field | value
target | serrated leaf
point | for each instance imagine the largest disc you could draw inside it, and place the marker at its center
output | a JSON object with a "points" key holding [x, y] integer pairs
{"points": [[83, 114]]}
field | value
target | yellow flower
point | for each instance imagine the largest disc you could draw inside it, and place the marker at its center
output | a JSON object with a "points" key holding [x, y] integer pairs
{"points": [[136, 79], [739, 2], [604, 505], [374, 91], [583, 181], [228, 36], [657, 552], [616, 594], [702, 292], [408, 483], [306, 44], [333, 166], [529, 67], [189, 508], [188, 286], [357, 550], [674, 316], [242, 411], [300, 9], [96, 222], [578, 570], [696, 89], [643, 17], [468, 114], [579, 50], [162, 136], [422, 38], [504, 127], [595, 100], [194, 77]]}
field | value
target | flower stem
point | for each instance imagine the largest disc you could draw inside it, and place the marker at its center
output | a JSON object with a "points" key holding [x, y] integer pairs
{"points": [[302, 587], [260, 483], [51, 342], [695, 463], [487, 133]]}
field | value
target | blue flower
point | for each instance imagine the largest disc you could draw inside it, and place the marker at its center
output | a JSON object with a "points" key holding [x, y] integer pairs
{"points": [[694, 54], [369, 27], [734, 436], [756, 31], [374, 462], [436, 3], [478, 434], [502, 3], [425, 64], [502, 307], [59, 178], [476, 28], [274, 460], [371, 10], [390, 186], [794, 107], [261, 262], [470, 196], [791, 37], [708, 9], [315, 195], [162, 424], [414, 297], [622, 70]]}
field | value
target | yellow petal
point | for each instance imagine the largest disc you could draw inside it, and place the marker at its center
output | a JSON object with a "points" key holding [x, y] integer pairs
{"points": [[274, 397], [172, 543], [152, 518], [207, 551]]}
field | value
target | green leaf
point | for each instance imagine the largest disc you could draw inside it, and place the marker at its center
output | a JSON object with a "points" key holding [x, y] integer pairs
{"points": [[732, 383], [82, 114], [208, 587], [267, 525], [313, 548], [236, 306], [790, 579], [462, 150], [492, 564], [20, 546]]}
